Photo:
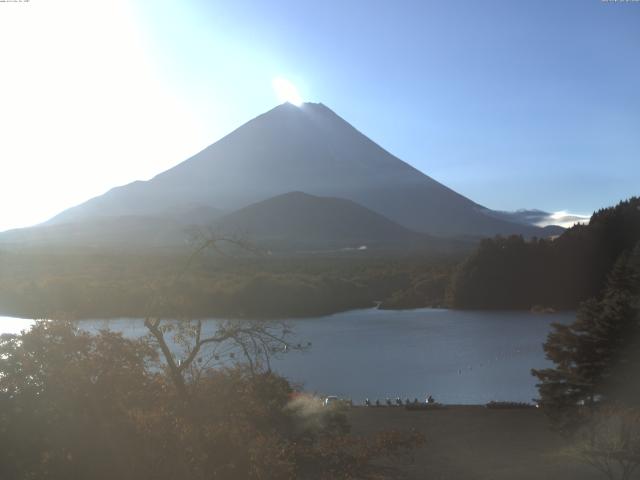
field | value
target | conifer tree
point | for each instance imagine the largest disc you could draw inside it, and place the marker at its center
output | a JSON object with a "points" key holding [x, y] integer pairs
{"points": [[596, 358]]}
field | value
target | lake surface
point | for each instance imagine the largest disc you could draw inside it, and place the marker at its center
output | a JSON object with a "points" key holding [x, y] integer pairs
{"points": [[460, 357]]}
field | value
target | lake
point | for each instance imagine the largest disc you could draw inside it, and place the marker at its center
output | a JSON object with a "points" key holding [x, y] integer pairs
{"points": [[459, 357]]}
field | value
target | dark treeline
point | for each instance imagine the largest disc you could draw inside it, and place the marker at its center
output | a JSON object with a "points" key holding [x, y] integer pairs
{"points": [[511, 273], [88, 285]]}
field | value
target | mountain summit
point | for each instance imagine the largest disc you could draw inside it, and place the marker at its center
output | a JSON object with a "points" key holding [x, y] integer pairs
{"points": [[308, 149]]}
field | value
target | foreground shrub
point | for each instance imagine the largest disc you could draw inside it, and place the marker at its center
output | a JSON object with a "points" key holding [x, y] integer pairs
{"points": [[78, 406]]}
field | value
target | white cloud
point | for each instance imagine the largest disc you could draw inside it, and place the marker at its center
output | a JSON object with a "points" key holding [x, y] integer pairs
{"points": [[563, 218]]}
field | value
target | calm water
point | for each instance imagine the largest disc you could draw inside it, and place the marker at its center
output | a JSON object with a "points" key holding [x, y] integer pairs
{"points": [[456, 356]]}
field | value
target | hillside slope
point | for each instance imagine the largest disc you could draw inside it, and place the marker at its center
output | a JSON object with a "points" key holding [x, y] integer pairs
{"points": [[299, 220]]}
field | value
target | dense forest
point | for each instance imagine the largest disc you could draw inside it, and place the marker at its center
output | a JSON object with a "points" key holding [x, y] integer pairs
{"points": [[73, 284], [512, 273]]}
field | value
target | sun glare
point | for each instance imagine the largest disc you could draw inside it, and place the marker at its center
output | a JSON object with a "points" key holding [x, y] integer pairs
{"points": [[286, 91], [64, 97]]}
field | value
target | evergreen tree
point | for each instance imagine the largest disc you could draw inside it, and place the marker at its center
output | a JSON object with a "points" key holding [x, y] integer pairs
{"points": [[596, 357], [512, 273]]}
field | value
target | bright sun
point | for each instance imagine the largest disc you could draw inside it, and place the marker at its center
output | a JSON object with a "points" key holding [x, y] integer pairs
{"points": [[286, 91]]}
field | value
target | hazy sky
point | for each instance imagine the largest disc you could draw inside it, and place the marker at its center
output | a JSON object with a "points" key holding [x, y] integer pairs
{"points": [[512, 103]]}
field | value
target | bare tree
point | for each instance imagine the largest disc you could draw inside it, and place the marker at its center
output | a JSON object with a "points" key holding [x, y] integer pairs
{"points": [[610, 442], [189, 349]]}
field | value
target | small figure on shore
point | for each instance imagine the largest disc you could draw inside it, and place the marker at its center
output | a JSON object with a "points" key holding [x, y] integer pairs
{"points": [[377, 402], [388, 402], [406, 401], [415, 401], [367, 402], [429, 400], [398, 401]]}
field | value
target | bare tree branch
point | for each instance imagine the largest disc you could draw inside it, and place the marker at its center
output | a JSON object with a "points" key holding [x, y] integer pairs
{"points": [[258, 341]]}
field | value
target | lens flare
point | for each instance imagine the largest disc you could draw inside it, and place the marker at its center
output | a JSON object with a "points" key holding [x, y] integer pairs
{"points": [[286, 91]]}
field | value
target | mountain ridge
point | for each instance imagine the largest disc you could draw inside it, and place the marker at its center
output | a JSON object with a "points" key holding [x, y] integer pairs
{"points": [[309, 149]]}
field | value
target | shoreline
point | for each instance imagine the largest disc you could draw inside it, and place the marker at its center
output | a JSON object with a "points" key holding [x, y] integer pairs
{"points": [[16, 316]]}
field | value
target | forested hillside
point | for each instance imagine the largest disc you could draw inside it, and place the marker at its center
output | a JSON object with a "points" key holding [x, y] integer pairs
{"points": [[511, 273], [106, 285]]}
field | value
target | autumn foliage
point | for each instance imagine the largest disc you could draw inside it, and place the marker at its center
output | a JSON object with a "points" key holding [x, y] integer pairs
{"points": [[79, 406]]}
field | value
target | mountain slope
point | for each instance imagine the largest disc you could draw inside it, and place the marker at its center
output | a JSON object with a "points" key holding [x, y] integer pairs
{"points": [[300, 220], [310, 149], [130, 231]]}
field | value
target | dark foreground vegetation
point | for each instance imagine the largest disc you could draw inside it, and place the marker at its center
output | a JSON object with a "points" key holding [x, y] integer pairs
{"points": [[592, 394], [511, 273], [85, 284], [75, 406], [598, 356]]}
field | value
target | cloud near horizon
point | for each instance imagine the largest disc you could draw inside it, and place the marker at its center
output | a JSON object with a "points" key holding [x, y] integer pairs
{"points": [[562, 218]]}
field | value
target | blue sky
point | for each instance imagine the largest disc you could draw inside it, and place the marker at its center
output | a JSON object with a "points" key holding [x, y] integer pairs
{"points": [[513, 104]]}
